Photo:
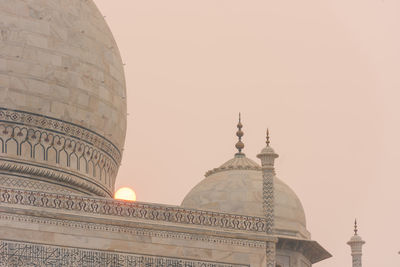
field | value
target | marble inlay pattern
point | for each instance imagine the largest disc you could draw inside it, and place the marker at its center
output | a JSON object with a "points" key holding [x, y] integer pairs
{"points": [[15, 254]]}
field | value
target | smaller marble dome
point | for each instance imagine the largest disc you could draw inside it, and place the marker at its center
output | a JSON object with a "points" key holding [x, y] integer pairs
{"points": [[236, 187]]}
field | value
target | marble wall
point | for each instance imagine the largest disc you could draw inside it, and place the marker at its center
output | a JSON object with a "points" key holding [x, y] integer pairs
{"points": [[109, 229], [52, 221]]}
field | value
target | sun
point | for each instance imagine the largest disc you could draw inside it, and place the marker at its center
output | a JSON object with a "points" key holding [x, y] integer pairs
{"points": [[125, 193]]}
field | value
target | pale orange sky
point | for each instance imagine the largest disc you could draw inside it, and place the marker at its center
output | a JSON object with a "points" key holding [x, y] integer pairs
{"points": [[322, 75]]}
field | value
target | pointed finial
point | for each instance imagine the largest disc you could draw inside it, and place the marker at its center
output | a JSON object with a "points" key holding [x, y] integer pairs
{"points": [[239, 145], [355, 227], [268, 142]]}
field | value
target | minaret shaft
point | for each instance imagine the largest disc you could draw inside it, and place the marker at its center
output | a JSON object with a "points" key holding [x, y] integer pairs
{"points": [[268, 204], [357, 260], [267, 157], [268, 198]]}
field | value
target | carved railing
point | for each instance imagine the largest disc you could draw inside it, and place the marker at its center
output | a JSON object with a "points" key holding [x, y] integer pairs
{"points": [[123, 209]]}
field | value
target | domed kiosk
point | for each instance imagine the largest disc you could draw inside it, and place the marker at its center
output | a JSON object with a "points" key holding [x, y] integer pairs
{"points": [[62, 98], [236, 187]]}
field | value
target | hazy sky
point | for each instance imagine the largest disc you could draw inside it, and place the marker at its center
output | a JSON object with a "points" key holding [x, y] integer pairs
{"points": [[322, 75]]}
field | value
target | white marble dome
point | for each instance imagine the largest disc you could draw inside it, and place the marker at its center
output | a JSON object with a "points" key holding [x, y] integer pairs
{"points": [[62, 97], [236, 187]]}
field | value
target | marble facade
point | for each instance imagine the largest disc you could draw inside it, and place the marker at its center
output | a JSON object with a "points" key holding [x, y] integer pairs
{"points": [[62, 131]]}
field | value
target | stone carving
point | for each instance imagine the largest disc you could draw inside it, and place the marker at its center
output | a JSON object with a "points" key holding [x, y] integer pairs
{"points": [[267, 157], [237, 163], [271, 254], [48, 141], [43, 173], [15, 254], [144, 211], [132, 230], [268, 203], [31, 185], [61, 127], [268, 200]]}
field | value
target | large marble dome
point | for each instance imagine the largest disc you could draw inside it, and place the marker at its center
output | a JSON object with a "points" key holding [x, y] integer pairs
{"points": [[236, 187], [62, 98]]}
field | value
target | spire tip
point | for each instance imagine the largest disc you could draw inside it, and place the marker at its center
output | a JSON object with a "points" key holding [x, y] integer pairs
{"points": [[239, 145], [355, 227]]}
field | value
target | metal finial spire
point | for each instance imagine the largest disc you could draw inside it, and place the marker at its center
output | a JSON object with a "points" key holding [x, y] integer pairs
{"points": [[268, 142], [355, 227], [239, 145]]}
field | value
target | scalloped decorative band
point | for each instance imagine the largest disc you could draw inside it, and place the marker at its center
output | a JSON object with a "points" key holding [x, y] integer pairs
{"points": [[57, 151]]}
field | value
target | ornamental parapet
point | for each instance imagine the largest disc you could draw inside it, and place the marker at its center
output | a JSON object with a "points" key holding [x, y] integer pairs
{"points": [[131, 210]]}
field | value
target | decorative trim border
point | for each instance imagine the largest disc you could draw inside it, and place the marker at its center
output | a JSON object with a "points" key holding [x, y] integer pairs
{"points": [[60, 126], [71, 148], [228, 168], [30, 184], [42, 173], [132, 230], [17, 254], [123, 209], [239, 162]]}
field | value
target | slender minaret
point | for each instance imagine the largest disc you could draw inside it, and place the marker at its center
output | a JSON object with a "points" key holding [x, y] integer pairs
{"points": [[356, 244], [267, 157]]}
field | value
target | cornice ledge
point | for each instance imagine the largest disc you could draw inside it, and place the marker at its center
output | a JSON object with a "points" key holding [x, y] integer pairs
{"points": [[112, 225], [48, 174]]}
